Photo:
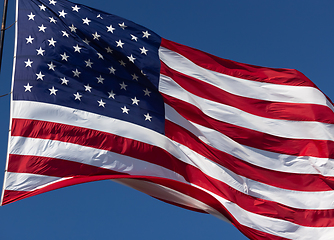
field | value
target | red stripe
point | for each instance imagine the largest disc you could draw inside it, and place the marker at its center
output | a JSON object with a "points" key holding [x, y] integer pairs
{"points": [[315, 218], [240, 70], [258, 235], [193, 175], [54, 167], [181, 205], [292, 181], [12, 196], [96, 139], [267, 109], [281, 76], [212, 202], [252, 138]]}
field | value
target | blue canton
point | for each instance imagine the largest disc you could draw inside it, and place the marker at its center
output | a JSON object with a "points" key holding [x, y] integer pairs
{"points": [[75, 56]]}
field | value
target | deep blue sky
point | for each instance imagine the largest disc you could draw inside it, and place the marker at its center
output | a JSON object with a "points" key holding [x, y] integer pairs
{"points": [[295, 34]]}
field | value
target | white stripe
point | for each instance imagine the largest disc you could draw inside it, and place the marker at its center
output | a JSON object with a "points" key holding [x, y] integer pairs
{"points": [[235, 116], [265, 224], [166, 193], [274, 226], [90, 156], [79, 118], [269, 160], [242, 87], [265, 159], [28, 181], [296, 199]]}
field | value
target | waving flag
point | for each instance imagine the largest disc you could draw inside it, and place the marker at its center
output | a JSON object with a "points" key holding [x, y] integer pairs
{"points": [[96, 96]]}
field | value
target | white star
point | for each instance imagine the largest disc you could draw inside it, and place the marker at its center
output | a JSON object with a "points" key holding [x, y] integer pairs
{"points": [[31, 16], [99, 16], [53, 91], [147, 92], [123, 85], [147, 117], [143, 50], [53, 2], [52, 42], [88, 88], [75, 8], [100, 79], [52, 20], [42, 7], [134, 77], [42, 28], [133, 37], [135, 101], [27, 87], [64, 56], [86, 21], [73, 29], [109, 50], [51, 66], [88, 63], [62, 14], [65, 34], [122, 63], [28, 63], [112, 70], [122, 25], [77, 48], [146, 34], [40, 76], [77, 96], [131, 58], [125, 110], [40, 51], [110, 29], [76, 73], [29, 39], [86, 41], [100, 55], [119, 43], [111, 94], [64, 81], [96, 36], [101, 103]]}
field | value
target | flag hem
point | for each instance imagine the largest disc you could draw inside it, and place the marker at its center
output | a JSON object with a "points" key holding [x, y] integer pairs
{"points": [[11, 100]]}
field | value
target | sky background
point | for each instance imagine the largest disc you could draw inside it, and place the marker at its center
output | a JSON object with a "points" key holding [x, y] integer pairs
{"points": [[295, 34]]}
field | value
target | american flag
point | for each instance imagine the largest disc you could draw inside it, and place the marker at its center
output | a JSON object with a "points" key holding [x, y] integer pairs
{"points": [[96, 96]]}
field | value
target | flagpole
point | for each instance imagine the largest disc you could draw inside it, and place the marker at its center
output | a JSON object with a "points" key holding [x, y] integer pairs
{"points": [[3, 28]]}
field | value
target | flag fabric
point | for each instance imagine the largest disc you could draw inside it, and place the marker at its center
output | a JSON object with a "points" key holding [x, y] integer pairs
{"points": [[96, 97]]}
